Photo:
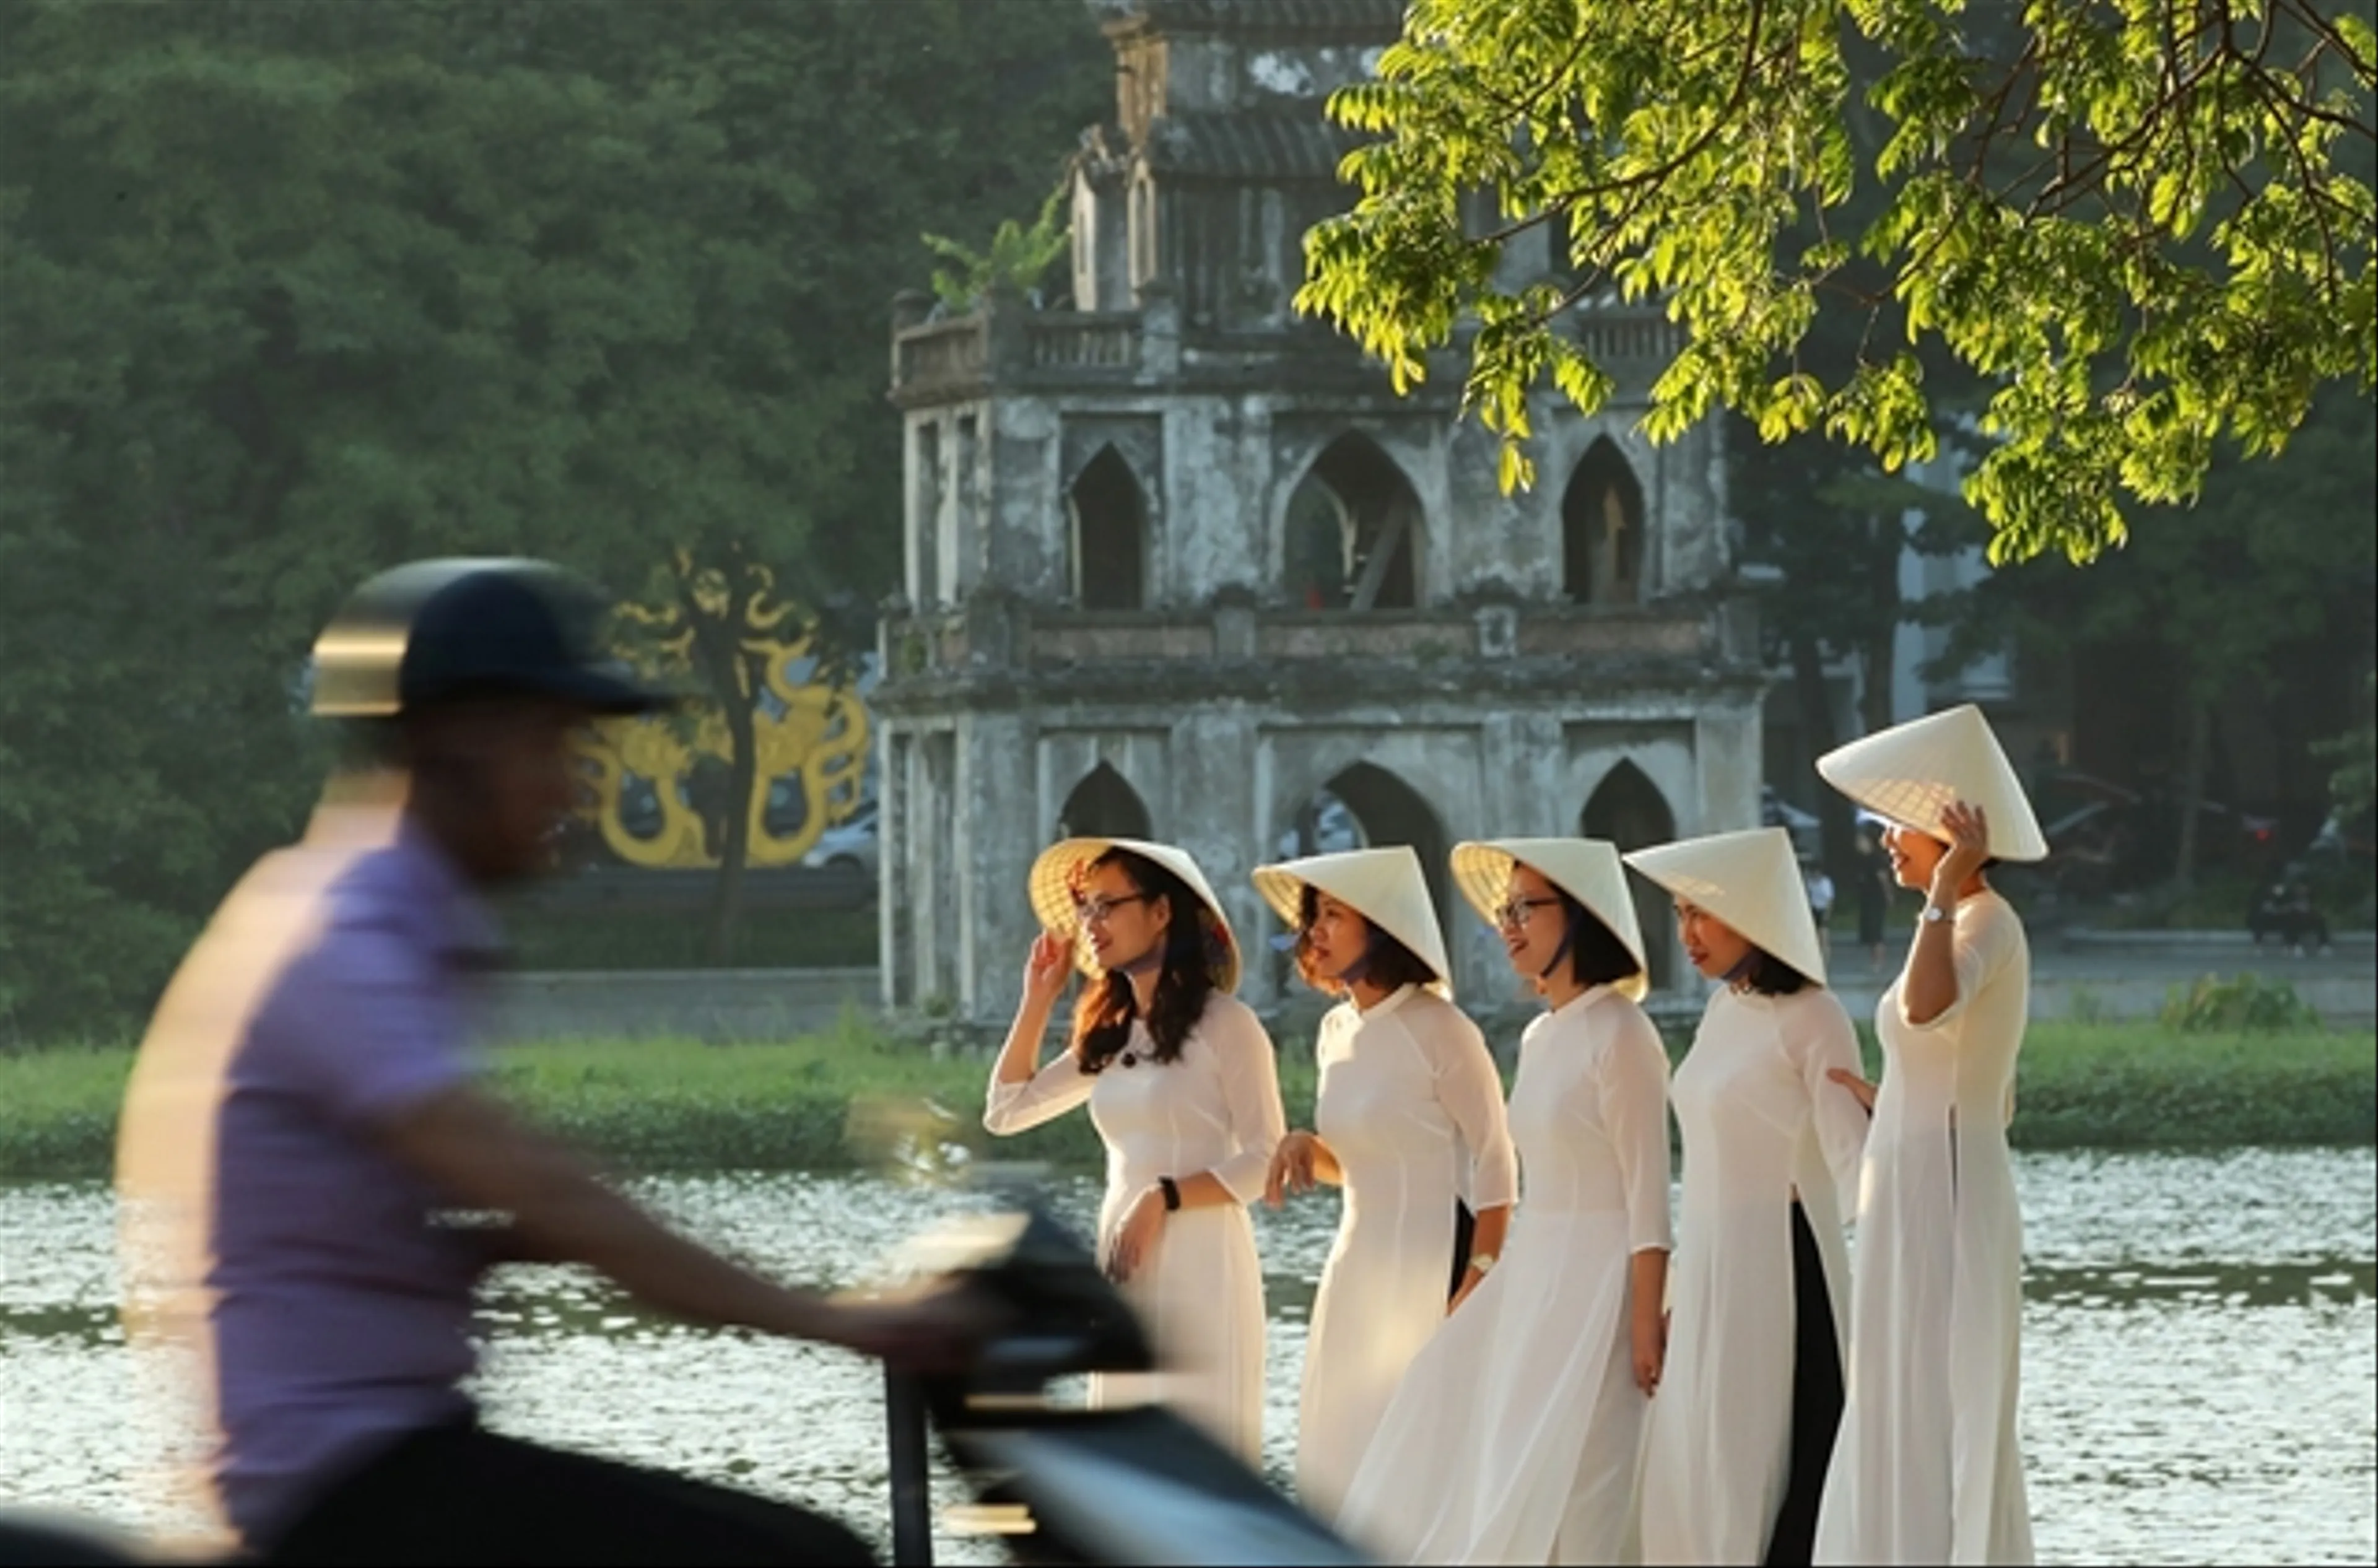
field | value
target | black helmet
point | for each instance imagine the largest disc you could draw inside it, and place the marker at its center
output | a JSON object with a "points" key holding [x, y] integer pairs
{"points": [[437, 631]]}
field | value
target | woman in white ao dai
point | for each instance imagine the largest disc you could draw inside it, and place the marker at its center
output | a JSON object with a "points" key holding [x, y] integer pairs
{"points": [[1514, 1436], [1929, 1467], [1408, 1118], [1743, 1427], [1181, 1080]]}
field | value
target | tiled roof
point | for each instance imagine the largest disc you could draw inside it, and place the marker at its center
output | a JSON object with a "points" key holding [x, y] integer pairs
{"points": [[1294, 146], [1377, 20]]}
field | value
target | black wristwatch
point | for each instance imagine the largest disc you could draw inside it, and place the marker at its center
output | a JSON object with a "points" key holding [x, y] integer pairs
{"points": [[1171, 1193]]}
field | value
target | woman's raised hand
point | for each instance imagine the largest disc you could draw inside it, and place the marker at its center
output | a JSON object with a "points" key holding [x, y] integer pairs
{"points": [[1967, 830], [1046, 968]]}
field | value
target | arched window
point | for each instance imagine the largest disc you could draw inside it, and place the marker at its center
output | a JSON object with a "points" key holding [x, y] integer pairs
{"points": [[1601, 529], [1353, 531], [1103, 806], [1110, 535], [1360, 808], [1315, 554], [1627, 809]]}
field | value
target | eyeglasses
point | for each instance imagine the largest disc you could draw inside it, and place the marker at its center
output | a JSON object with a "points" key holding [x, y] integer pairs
{"points": [[1512, 913], [1097, 909]]}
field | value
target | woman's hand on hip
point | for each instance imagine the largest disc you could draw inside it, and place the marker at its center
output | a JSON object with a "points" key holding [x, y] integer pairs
{"points": [[1294, 1167], [1135, 1237], [1862, 1090]]}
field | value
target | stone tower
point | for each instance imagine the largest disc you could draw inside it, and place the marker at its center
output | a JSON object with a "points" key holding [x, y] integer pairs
{"points": [[1180, 565]]}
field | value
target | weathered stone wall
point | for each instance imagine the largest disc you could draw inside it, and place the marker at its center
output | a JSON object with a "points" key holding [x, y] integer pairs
{"points": [[1225, 777], [1483, 704]]}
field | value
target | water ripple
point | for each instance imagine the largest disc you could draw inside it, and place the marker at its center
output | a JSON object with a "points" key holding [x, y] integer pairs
{"points": [[2200, 1354]]}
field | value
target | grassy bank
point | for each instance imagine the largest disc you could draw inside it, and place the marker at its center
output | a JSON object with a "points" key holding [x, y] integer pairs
{"points": [[841, 1100]]}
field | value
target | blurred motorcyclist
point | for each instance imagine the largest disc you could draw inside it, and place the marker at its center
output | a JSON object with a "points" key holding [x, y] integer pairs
{"points": [[312, 1181]]}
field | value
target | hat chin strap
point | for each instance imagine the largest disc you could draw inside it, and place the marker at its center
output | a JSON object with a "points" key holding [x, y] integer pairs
{"points": [[1742, 968], [1568, 941]]}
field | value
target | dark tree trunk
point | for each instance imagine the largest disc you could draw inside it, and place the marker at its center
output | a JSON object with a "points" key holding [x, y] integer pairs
{"points": [[1881, 647], [734, 846], [2191, 790], [1834, 812], [727, 670]]}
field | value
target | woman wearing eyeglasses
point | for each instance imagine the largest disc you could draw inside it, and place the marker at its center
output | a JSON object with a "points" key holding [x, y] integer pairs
{"points": [[1736, 1453], [1514, 1437], [1407, 1116], [1181, 1084]]}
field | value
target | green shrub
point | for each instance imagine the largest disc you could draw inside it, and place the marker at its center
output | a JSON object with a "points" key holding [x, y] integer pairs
{"points": [[2247, 1004], [2138, 1085], [562, 938], [856, 1097]]}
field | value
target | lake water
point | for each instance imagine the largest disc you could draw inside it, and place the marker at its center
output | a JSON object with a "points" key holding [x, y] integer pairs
{"points": [[2200, 1354]]}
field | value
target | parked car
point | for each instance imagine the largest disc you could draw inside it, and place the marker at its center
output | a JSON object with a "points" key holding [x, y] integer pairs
{"points": [[850, 846], [1774, 811], [2344, 836]]}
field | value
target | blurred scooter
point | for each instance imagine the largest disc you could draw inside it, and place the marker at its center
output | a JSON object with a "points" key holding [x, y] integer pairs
{"points": [[1056, 1484]]}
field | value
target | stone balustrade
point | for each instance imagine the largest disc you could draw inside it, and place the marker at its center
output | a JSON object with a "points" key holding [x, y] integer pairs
{"points": [[1006, 634], [1007, 344]]}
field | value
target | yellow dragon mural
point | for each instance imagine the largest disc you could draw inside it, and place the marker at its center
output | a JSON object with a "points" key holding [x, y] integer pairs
{"points": [[812, 735]]}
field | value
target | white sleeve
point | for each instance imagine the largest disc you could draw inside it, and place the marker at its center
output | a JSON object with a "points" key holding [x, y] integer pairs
{"points": [[1250, 1074], [1818, 1036], [1986, 939], [1635, 1114], [1047, 1095], [1471, 1093]]}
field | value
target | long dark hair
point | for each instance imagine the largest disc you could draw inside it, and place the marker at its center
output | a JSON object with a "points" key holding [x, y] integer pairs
{"points": [[1386, 963], [1102, 1018], [1768, 975], [1596, 956]]}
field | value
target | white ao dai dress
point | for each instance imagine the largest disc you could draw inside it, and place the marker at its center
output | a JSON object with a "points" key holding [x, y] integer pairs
{"points": [[1413, 1108], [1759, 1119], [1215, 1109], [1514, 1436], [1928, 1467]]}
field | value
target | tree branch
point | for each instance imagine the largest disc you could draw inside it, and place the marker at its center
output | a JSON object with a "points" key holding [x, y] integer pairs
{"points": [[2321, 27], [1718, 122]]}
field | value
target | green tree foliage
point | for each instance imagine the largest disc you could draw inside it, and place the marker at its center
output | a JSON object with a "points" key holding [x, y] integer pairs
{"points": [[291, 291], [2144, 228], [2265, 580], [1835, 529]]}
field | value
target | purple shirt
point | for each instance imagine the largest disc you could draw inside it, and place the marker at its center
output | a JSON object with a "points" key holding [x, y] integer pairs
{"points": [[337, 1315]]}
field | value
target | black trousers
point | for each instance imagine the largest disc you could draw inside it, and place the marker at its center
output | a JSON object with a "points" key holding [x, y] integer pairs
{"points": [[1816, 1401], [1465, 1229], [456, 1495]]}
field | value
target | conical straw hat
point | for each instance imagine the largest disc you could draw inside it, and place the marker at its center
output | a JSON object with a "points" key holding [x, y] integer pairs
{"points": [[1751, 881], [1910, 772], [1385, 885], [1587, 869], [1060, 866]]}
